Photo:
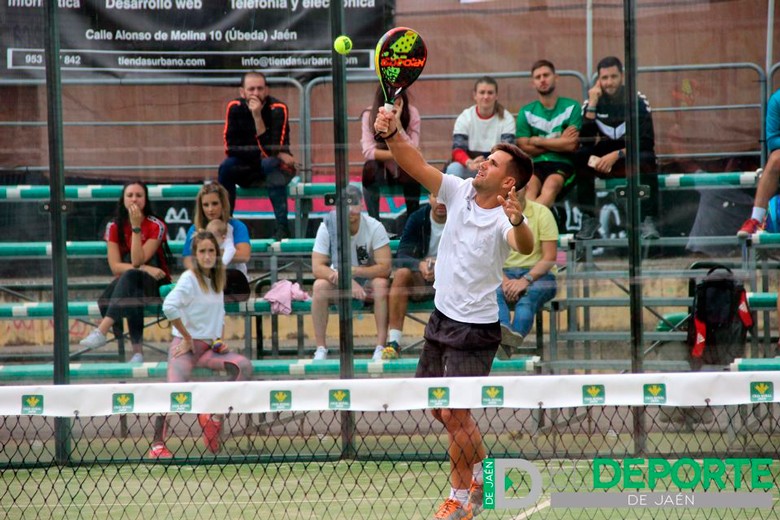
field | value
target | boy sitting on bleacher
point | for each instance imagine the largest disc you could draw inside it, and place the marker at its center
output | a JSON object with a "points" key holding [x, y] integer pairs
{"points": [[371, 266], [528, 280], [415, 274]]}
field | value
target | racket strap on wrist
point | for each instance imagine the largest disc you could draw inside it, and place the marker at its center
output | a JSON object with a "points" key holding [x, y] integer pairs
{"points": [[380, 138], [391, 134]]}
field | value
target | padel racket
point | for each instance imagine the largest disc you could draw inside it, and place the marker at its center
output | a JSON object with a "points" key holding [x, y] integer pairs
{"points": [[399, 58]]}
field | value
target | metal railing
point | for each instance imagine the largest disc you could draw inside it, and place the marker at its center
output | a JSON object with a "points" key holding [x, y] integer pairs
{"points": [[305, 118], [291, 82], [761, 105], [770, 77], [364, 78]]}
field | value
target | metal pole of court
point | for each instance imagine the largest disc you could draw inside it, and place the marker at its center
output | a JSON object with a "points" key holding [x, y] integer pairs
{"points": [[346, 350], [634, 235], [57, 207]]}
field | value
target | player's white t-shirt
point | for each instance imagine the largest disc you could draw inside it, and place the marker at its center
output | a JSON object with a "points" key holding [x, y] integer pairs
{"points": [[371, 236], [471, 256]]}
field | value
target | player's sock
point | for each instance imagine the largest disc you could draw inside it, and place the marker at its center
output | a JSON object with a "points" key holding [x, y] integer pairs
{"points": [[758, 213], [394, 335], [476, 473], [461, 495]]}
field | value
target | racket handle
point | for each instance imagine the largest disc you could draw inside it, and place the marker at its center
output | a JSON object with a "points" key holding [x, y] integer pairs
{"points": [[388, 108]]}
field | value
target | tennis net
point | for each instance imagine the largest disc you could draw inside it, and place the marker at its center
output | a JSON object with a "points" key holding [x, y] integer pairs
{"points": [[698, 445]]}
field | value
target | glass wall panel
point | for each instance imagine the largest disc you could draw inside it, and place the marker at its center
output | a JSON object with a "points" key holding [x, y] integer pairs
{"points": [[146, 98]]}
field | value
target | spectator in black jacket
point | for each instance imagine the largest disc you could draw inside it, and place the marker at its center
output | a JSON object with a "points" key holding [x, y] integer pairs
{"points": [[603, 138], [415, 260], [257, 145]]}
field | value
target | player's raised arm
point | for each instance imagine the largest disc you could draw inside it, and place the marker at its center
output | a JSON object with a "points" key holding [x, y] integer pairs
{"points": [[405, 154]]}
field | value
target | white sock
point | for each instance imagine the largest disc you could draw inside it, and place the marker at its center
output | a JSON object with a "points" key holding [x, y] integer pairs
{"points": [[461, 495], [758, 213], [476, 473], [322, 347], [394, 335], [379, 347]]}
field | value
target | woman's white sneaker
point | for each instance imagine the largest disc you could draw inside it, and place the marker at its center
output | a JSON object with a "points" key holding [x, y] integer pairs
{"points": [[95, 339]]}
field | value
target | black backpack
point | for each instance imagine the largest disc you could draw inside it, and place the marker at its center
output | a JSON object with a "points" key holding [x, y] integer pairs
{"points": [[719, 321]]}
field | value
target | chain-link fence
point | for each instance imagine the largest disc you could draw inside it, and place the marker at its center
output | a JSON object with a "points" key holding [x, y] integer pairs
{"points": [[338, 462]]}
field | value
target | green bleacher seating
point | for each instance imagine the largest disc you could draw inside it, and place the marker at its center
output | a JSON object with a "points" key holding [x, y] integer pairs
{"points": [[681, 181], [96, 248], [755, 364], [265, 369], [670, 181]]}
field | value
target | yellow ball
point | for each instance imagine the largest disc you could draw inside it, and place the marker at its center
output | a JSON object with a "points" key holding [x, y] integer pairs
{"points": [[342, 44]]}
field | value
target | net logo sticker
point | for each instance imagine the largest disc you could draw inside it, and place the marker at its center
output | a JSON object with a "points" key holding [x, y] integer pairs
{"points": [[338, 400], [438, 396], [122, 403], [593, 394], [492, 396], [762, 392], [32, 404], [281, 400], [654, 393], [181, 401]]}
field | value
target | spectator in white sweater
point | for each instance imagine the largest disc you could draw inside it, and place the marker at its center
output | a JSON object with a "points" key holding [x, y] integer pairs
{"points": [[196, 310]]}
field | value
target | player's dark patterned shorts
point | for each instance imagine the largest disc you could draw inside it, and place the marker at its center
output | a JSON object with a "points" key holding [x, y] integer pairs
{"points": [[456, 349]]}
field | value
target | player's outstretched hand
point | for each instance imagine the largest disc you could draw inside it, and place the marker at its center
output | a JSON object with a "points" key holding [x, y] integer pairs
{"points": [[386, 122], [513, 204]]}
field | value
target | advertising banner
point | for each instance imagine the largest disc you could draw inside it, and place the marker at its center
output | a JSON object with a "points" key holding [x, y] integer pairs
{"points": [[194, 38]]}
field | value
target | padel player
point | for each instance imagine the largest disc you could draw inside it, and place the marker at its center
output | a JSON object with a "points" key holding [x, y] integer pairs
{"points": [[485, 220]]}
